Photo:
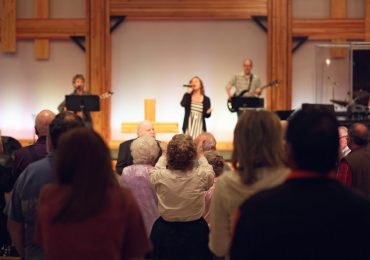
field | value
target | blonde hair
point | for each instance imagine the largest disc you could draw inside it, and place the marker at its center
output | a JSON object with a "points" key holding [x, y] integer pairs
{"points": [[257, 144]]}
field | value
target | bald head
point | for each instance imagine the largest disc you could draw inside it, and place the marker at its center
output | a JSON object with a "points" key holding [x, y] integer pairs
{"points": [[358, 135], [145, 128], [247, 65], [42, 122]]}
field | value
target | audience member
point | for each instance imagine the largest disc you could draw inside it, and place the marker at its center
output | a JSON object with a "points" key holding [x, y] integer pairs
{"points": [[144, 151], [258, 162], [343, 141], [5, 186], [208, 141], [354, 169], [21, 209], [85, 214], [311, 215], [124, 157], [218, 163], [37, 151], [181, 232]]}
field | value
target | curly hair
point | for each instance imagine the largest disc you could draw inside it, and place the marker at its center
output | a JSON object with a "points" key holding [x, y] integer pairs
{"points": [[216, 160], [181, 152]]}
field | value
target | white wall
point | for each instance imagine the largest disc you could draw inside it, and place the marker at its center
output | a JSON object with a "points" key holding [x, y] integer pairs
{"points": [[152, 59], [28, 86]]}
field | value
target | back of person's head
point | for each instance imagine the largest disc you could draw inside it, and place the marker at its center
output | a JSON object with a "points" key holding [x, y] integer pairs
{"points": [[216, 160], [181, 152], [83, 163], [63, 122], [42, 122], [313, 140], [208, 141], [359, 134], [257, 144], [144, 150]]}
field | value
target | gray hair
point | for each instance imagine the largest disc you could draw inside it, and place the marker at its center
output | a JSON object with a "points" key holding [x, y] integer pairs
{"points": [[144, 150]]}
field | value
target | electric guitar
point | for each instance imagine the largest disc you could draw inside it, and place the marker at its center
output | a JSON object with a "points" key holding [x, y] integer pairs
{"points": [[273, 83]]}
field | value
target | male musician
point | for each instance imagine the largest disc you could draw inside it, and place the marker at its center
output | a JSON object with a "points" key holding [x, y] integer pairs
{"points": [[78, 82], [244, 81]]}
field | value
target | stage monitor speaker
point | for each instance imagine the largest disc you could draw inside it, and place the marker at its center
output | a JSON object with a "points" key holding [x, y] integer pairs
{"points": [[284, 114], [322, 107]]}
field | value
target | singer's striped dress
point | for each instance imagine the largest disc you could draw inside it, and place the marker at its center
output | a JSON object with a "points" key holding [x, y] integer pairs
{"points": [[195, 126]]}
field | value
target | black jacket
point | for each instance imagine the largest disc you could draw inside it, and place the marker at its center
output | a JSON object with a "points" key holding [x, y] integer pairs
{"points": [[186, 103]]}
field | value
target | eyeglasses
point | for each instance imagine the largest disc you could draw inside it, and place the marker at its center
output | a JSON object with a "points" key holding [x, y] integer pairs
{"points": [[344, 136]]}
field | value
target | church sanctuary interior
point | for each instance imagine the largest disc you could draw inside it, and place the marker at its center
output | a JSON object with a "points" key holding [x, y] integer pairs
{"points": [[186, 67], [143, 50], [139, 60]]}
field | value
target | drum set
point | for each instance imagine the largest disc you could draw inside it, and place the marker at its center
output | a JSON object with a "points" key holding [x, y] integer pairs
{"points": [[358, 108]]}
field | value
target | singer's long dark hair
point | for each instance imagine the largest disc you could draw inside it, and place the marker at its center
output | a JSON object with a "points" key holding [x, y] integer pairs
{"points": [[201, 84]]}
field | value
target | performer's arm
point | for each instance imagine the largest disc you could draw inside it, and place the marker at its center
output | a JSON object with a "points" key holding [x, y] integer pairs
{"points": [[229, 87], [258, 90], [186, 100], [62, 106]]}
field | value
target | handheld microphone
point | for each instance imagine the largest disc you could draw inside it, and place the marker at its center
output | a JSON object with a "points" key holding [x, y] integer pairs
{"points": [[187, 85]]}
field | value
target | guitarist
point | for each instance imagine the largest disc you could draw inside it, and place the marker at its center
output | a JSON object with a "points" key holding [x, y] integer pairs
{"points": [[244, 81], [78, 82]]}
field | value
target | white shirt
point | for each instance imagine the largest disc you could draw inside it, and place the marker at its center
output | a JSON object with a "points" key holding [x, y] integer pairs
{"points": [[229, 193], [181, 193]]}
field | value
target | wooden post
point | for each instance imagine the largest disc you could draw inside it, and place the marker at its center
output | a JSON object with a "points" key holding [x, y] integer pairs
{"points": [[279, 54], [338, 10], [367, 20], [42, 45], [98, 61], [8, 26]]}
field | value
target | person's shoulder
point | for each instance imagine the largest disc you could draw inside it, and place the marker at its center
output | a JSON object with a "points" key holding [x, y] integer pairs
{"points": [[127, 142], [122, 197], [229, 178]]}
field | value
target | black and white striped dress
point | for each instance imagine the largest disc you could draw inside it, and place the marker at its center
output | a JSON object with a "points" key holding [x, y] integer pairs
{"points": [[195, 126]]}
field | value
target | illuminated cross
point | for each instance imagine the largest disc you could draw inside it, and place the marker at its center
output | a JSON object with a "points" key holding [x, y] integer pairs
{"points": [[149, 115]]}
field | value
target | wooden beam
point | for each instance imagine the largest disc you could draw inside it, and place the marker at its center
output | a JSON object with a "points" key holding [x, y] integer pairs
{"points": [[60, 29], [367, 20], [41, 45], [338, 10], [328, 29], [99, 61], [280, 54], [8, 25], [221, 9]]}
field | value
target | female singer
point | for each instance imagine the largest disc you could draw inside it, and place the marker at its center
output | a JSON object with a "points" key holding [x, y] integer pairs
{"points": [[197, 107]]}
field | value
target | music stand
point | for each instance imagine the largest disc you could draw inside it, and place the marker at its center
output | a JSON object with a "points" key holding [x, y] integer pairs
{"points": [[243, 103], [84, 103]]}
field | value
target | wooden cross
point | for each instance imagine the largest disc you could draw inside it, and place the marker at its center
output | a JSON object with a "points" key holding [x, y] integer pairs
{"points": [[149, 115]]}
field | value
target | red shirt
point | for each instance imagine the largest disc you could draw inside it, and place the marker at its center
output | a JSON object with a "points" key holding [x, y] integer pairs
{"points": [[344, 173], [116, 233]]}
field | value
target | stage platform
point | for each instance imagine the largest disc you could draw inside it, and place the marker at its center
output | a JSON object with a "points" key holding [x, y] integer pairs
{"points": [[225, 148]]}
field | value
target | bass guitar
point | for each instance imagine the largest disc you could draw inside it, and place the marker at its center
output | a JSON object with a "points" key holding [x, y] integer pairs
{"points": [[273, 83]]}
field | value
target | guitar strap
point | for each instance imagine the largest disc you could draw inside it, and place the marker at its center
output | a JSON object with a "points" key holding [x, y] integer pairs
{"points": [[250, 82]]}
